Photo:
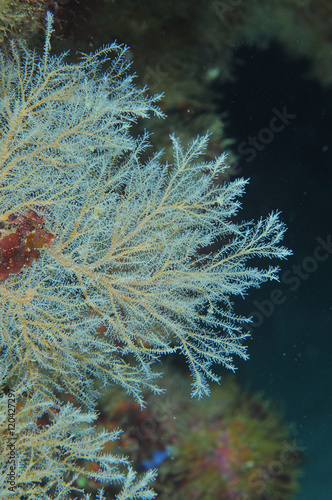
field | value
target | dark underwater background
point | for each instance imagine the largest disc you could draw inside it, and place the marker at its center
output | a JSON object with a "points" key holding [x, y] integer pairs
{"points": [[290, 349]]}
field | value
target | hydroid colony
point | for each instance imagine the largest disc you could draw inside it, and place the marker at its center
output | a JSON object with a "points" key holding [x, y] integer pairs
{"points": [[103, 268]]}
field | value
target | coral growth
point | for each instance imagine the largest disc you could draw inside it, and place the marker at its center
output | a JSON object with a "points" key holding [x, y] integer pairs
{"points": [[20, 17], [234, 445], [21, 237]]}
